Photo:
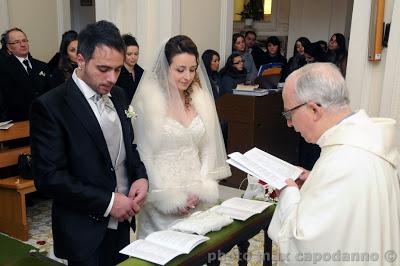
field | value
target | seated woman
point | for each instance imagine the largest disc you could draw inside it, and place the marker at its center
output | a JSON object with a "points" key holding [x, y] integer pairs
{"points": [[67, 61], [273, 54], [178, 137], [337, 52], [233, 73], [297, 60], [211, 63], [131, 72], [239, 46], [313, 52]]}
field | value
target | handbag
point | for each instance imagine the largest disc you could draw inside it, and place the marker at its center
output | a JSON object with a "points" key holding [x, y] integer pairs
{"points": [[25, 166]]}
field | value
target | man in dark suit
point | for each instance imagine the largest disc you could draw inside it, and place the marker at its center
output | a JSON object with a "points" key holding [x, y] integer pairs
{"points": [[83, 156], [22, 78], [255, 50]]}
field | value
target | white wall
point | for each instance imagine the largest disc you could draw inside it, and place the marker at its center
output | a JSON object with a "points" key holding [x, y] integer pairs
{"points": [[154, 21], [200, 20], [38, 19], [4, 17], [317, 20]]}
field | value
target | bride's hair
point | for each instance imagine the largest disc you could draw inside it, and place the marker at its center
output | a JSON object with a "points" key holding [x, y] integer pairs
{"points": [[181, 44]]}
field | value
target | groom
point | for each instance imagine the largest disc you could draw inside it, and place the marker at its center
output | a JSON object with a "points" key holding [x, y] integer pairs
{"points": [[83, 156]]}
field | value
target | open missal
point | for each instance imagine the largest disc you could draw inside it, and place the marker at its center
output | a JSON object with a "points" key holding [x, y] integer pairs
{"points": [[265, 167], [162, 246], [241, 209]]}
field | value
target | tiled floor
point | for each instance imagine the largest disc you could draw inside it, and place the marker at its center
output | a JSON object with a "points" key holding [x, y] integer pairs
{"points": [[39, 220]]}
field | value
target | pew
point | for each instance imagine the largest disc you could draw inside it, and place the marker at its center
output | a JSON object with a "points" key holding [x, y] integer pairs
{"points": [[13, 189]]}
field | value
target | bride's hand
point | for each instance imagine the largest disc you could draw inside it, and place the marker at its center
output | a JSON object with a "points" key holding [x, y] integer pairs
{"points": [[191, 203]]}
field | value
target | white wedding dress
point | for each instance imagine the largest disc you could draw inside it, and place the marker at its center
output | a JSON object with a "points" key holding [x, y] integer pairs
{"points": [[174, 174]]}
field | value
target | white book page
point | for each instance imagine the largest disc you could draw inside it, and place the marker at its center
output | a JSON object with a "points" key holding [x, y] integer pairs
{"points": [[240, 166], [278, 167], [149, 251], [260, 172], [255, 206], [234, 213], [183, 242]]}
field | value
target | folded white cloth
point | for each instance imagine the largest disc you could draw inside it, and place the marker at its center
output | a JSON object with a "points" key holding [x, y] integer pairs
{"points": [[202, 222]]}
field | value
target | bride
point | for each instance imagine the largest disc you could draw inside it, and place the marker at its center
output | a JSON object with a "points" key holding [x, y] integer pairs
{"points": [[178, 136]]}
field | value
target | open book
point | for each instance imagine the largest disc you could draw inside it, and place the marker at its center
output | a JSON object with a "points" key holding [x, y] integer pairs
{"points": [[162, 246], [241, 209], [265, 167]]}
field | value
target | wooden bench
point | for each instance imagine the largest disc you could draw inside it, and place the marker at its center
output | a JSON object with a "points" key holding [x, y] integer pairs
{"points": [[13, 189]]}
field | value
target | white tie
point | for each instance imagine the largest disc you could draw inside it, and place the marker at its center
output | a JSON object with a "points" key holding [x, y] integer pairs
{"points": [[109, 125]]}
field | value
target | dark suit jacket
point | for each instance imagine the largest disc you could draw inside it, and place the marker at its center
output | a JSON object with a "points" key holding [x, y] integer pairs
{"points": [[126, 82], [71, 164], [19, 89]]}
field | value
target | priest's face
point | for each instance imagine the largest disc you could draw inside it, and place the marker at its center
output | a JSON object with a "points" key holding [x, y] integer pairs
{"points": [[298, 114]]}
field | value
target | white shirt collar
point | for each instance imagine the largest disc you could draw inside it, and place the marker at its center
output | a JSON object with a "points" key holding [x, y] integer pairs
{"points": [[21, 59], [83, 87]]}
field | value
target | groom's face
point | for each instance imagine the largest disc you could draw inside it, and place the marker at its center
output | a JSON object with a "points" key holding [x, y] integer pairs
{"points": [[101, 71]]}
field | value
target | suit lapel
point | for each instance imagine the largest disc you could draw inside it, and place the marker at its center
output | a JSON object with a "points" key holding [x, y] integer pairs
{"points": [[124, 123], [84, 113], [20, 70]]}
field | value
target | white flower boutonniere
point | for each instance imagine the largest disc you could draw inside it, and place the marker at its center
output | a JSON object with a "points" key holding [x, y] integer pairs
{"points": [[41, 73], [130, 113]]}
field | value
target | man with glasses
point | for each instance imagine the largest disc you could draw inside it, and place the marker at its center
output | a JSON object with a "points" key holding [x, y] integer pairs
{"points": [[348, 205], [22, 78]]}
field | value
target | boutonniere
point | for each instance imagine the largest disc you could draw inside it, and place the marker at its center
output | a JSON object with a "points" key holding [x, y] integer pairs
{"points": [[130, 113], [41, 73]]}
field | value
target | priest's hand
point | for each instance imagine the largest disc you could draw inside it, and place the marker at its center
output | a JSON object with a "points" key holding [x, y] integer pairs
{"points": [[302, 178], [138, 191], [123, 207], [290, 183]]}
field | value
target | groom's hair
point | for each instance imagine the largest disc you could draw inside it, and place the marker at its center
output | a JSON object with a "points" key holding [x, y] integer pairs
{"points": [[97, 34]]}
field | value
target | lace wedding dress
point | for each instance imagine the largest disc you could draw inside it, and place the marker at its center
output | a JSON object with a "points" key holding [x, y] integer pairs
{"points": [[174, 174]]}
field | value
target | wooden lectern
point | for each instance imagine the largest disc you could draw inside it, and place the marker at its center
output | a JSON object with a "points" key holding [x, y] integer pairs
{"points": [[256, 121]]}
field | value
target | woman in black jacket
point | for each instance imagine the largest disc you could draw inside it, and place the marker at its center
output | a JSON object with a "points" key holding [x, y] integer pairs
{"points": [[131, 72], [337, 52], [67, 59], [211, 63]]}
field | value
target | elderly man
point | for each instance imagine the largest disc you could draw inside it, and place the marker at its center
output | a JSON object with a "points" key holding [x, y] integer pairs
{"points": [[22, 78], [347, 210]]}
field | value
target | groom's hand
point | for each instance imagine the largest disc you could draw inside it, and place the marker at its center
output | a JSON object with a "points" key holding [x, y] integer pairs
{"points": [[123, 207], [138, 191]]}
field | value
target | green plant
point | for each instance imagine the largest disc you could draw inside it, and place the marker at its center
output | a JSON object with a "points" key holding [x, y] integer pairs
{"points": [[248, 11]]}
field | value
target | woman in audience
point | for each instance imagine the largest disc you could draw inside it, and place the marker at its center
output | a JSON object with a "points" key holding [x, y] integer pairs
{"points": [[67, 61], [297, 60], [324, 45], [178, 137], [313, 52], [211, 62], [238, 45], [273, 54], [233, 73], [337, 52], [131, 72]]}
